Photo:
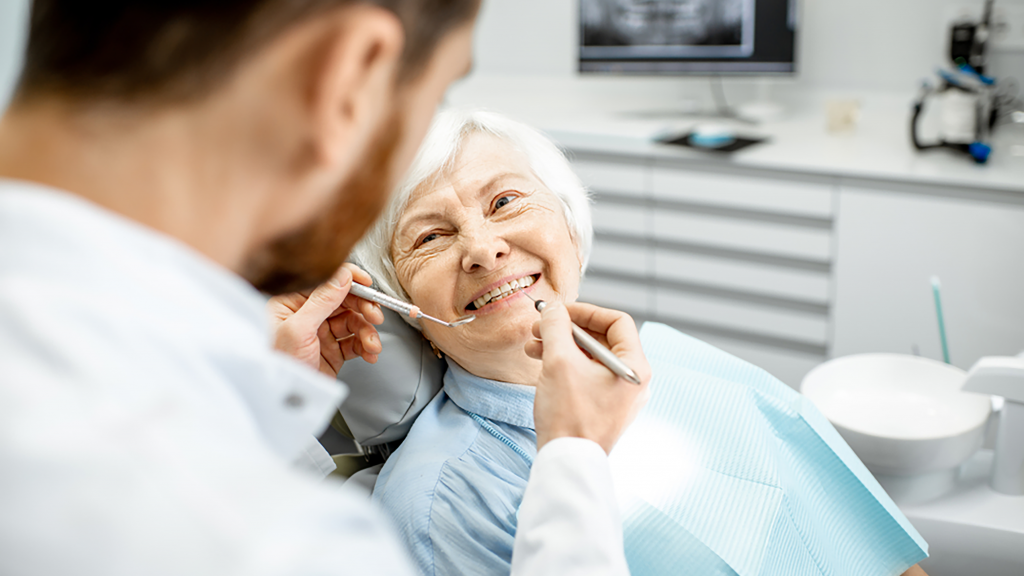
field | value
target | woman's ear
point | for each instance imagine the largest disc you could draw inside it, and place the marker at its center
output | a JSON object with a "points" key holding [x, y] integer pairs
{"points": [[351, 79]]}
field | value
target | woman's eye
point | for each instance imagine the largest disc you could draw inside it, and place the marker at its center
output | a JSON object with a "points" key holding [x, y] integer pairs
{"points": [[429, 237], [504, 200]]}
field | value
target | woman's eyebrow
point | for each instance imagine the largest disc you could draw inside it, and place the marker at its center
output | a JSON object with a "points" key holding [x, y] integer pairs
{"points": [[408, 222], [497, 180], [434, 214]]}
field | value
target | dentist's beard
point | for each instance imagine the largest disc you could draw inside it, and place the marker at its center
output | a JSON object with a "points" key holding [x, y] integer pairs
{"points": [[304, 259]]}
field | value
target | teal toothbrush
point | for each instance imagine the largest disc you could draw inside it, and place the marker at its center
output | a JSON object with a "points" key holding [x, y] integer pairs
{"points": [[937, 293]]}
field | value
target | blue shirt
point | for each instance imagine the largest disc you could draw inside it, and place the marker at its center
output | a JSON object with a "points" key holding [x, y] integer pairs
{"points": [[725, 471], [457, 480]]}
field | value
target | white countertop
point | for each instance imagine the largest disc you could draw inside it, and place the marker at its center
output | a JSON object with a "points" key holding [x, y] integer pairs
{"points": [[600, 115], [973, 502], [973, 529]]}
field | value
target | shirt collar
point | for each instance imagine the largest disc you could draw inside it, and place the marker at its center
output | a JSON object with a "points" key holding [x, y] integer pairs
{"points": [[212, 323], [494, 400]]}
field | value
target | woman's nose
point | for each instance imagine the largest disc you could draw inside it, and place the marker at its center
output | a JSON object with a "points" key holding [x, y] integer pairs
{"points": [[483, 250]]}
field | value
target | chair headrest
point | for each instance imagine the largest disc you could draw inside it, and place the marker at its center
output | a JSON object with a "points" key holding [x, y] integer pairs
{"points": [[385, 398]]}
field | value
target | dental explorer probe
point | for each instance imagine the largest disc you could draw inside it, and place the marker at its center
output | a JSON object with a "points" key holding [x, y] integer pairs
{"points": [[367, 293], [595, 348]]}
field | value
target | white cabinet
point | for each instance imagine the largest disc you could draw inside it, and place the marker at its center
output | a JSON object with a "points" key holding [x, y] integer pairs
{"points": [[728, 232], [889, 245], [740, 260], [764, 195], [786, 270]]}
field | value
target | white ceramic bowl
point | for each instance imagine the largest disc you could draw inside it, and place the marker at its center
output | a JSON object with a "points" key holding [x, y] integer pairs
{"points": [[902, 415]]}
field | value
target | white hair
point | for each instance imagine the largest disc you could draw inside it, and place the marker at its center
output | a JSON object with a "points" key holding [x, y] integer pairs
{"points": [[437, 154]]}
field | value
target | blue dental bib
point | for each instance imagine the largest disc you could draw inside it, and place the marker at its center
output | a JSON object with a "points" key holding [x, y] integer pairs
{"points": [[729, 471]]}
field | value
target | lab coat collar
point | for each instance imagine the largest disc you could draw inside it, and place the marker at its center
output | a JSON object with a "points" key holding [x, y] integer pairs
{"points": [[494, 400], [207, 318]]}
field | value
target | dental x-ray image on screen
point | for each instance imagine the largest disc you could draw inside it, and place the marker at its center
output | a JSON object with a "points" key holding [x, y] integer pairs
{"points": [[630, 29]]}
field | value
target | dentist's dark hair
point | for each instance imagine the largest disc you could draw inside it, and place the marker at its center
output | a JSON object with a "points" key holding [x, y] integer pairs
{"points": [[175, 51]]}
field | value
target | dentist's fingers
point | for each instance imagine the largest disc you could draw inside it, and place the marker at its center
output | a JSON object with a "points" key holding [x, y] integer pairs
{"points": [[331, 359], [615, 330], [352, 347], [299, 323], [555, 330], [370, 310], [302, 323], [360, 336], [535, 347], [358, 274], [576, 396], [323, 302]]}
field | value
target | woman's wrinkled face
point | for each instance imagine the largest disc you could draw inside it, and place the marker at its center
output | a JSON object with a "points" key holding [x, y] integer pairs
{"points": [[478, 238]]}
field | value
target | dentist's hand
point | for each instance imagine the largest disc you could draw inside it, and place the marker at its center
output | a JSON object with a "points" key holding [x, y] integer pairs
{"points": [[326, 326], [577, 396]]}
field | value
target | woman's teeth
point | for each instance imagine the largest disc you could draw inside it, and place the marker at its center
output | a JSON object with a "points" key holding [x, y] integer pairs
{"points": [[503, 291]]}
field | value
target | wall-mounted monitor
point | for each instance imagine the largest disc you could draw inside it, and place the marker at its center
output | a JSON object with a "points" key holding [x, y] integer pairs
{"points": [[701, 37]]}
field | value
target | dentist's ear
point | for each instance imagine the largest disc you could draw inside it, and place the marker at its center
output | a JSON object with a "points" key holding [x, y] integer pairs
{"points": [[351, 82]]}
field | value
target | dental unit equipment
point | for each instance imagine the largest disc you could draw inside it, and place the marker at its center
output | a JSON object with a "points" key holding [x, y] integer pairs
{"points": [[367, 293], [596, 349]]}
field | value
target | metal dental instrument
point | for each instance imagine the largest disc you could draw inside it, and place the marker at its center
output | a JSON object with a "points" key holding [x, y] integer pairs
{"points": [[367, 293], [596, 349]]}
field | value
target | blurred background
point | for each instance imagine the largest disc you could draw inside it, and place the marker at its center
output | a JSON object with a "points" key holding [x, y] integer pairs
{"points": [[843, 45], [793, 220], [821, 238]]}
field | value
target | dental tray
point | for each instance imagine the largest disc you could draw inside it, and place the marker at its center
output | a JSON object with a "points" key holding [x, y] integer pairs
{"points": [[738, 143]]}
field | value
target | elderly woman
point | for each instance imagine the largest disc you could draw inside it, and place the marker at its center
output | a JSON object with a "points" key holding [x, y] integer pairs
{"points": [[725, 471]]}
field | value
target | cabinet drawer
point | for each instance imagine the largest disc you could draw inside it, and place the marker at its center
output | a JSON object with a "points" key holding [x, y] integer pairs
{"points": [[808, 286], [736, 316], [746, 236], [620, 258], [614, 177], [631, 297], [613, 217], [743, 192]]}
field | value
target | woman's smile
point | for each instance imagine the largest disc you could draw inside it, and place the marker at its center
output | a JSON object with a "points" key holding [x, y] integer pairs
{"points": [[501, 292]]}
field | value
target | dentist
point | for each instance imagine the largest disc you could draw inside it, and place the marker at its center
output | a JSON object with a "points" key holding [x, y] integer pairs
{"points": [[160, 162]]}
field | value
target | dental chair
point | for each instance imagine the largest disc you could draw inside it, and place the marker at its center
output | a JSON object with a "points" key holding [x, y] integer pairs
{"points": [[385, 399]]}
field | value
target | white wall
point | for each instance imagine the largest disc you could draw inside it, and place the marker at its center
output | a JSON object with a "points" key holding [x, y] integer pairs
{"points": [[844, 45], [13, 15]]}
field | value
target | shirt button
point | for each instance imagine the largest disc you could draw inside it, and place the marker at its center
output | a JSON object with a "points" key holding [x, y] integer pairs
{"points": [[294, 401]]}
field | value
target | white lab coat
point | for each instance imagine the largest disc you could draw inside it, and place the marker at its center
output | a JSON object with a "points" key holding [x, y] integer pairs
{"points": [[146, 427]]}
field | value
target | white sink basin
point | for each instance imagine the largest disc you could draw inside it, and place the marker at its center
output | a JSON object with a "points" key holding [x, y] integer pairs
{"points": [[902, 415]]}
